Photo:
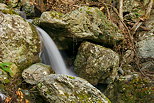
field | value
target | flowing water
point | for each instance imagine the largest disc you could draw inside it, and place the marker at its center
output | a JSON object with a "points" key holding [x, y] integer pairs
{"points": [[52, 56]]}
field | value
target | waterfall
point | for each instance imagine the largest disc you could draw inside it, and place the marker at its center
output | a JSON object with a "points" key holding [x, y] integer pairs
{"points": [[52, 56]]}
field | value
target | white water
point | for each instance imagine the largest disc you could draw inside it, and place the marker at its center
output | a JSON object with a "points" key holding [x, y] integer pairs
{"points": [[53, 56]]}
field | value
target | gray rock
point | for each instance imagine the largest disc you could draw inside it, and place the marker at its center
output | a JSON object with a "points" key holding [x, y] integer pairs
{"points": [[19, 41], [36, 72], [96, 64], [51, 19], [83, 23], [146, 40], [146, 48], [58, 88]]}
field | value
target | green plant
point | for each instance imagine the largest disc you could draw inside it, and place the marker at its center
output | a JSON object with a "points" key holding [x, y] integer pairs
{"points": [[7, 68]]}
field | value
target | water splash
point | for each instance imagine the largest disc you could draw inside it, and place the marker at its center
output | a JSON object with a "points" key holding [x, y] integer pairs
{"points": [[52, 55]]}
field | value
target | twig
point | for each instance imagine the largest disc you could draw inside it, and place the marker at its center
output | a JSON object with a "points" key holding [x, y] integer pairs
{"points": [[130, 37], [145, 17], [149, 8], [121, 13]]}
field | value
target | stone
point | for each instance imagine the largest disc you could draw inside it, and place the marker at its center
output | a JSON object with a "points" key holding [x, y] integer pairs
{"points": [[28, 9], [19, 41], [82, 23], [59, 88], [52, 19], [96, 64], [36, 72], [146, 48], [12, 3]]}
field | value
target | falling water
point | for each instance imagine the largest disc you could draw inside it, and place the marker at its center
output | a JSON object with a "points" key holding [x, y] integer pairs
{"points": [[52, 55]]}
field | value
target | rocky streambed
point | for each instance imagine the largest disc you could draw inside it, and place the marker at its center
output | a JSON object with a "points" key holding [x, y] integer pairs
{"points": [[105, 73]]}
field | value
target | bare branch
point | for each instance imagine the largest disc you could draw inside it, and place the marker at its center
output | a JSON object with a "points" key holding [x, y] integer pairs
{"points": [[121, 13]]}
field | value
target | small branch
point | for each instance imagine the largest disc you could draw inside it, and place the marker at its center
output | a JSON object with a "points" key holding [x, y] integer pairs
{"points": [[145, 17], [121, 13], [149, 8]]}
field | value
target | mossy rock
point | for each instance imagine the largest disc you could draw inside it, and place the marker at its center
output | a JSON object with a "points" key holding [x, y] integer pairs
{"points": [[60, 88], [96, 63], [137, 90], [82, 23], [20, 42], [6, 10]]}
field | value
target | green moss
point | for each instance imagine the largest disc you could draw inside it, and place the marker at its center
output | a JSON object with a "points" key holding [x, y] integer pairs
{"points": [[71, 77], [56, 15], [135, 91], [8, 11]]}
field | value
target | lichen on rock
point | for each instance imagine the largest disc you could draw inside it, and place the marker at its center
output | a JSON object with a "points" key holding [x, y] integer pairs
{"points": [[36, 72], [61, 88], [96, 64], [82, 23], [20, 43]]}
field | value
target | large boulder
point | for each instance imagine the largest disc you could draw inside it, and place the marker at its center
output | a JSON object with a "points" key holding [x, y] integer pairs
{"points": [[83, 23], [20, 43], [58, 88], [96, 64]]}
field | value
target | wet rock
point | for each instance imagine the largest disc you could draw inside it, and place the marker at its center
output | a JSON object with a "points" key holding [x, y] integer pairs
{"points": [[36, 73], [96, 64], [60, 88], [20, 43], [83, 23]]}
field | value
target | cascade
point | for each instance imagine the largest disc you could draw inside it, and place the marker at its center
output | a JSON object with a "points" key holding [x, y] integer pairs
{"points": [[52, 56]]}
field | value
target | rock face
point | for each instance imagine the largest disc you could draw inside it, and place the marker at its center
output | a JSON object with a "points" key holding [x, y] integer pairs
{"points": [[84, 23], [36, 72], [96, 64], [58, 88], [20, 43]]}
